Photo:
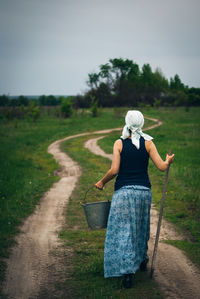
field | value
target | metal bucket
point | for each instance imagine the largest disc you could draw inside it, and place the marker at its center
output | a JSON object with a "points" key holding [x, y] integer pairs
{"points": [[96, 213]]}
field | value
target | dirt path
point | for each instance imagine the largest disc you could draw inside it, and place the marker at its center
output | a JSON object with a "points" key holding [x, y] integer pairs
{"points": [[33, 266], [38, 259], [175, 274]]}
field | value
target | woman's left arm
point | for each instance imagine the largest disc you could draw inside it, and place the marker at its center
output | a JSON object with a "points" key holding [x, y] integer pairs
{"points": [[113, 171]]}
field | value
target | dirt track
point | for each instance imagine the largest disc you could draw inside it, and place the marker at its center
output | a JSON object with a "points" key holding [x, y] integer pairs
{"points": [[175, 274], [37, 260]]}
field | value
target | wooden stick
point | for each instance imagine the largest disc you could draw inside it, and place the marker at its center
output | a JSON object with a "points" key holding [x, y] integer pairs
{"points": [[159, 221]]}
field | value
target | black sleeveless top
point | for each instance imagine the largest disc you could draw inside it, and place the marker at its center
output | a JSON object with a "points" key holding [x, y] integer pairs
{"points": [[133, 166]]}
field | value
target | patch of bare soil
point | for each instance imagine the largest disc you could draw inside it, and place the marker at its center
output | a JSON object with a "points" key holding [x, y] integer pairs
{"points": [[176, 275]]}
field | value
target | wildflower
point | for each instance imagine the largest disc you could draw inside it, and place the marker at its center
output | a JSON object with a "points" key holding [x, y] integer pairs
{"points": [[30, 182]]}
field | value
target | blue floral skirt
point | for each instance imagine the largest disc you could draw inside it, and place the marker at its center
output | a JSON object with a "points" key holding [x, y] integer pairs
{"points": [[128, 230]]}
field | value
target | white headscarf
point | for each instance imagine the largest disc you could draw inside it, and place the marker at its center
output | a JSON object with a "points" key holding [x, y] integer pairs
{"points": [[134, 121]]}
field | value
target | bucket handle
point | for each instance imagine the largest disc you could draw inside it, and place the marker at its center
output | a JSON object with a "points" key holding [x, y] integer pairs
{"points": [[84, 200]]}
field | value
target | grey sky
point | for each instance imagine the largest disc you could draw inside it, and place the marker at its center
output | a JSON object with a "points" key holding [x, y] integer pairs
{"points": [[49, 46]]}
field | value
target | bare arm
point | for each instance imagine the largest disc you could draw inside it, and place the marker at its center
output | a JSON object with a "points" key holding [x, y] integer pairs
{"points": [[113, 171], [157, 160]]}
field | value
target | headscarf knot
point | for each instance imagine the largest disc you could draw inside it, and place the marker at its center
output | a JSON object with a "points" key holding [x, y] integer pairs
{"points": [[134, 122]]}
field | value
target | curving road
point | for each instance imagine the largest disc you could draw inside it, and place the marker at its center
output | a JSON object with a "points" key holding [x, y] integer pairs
{"points": [[37, 260]]}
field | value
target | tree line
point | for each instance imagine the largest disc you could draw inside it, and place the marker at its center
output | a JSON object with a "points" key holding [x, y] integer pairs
{"points": [[23, 107], [42, 100], [121, 82]]}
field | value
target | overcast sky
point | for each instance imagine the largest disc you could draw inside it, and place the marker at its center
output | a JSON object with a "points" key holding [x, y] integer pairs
{"points": [[49, 46]]}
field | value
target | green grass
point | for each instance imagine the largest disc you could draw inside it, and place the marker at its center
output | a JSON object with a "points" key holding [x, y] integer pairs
{"points": [[87, 278], [27, 169], [179, 132], [27, 172]]}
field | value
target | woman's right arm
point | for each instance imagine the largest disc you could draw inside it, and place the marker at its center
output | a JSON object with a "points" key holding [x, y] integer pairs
{"points": [[113, 171], [157, 160]]}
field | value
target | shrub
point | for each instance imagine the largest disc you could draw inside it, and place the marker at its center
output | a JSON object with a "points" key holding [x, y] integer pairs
{"points": [[157, 103], [66, 108], [94, 107], [33, 111]]}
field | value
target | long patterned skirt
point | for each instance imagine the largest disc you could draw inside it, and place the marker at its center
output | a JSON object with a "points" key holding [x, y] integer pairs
{"points": [[128, 231]]}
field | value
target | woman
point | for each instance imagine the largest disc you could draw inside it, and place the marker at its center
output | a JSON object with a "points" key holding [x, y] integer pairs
{"points": [[128, 227]]}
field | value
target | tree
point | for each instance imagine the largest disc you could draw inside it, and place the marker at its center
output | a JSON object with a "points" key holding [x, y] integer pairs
{"points": [[49, 100], [42, 100], [4, 100], [175, 83], [23, 101], [121, 67], [147, 73], [104, 96], [93, 80], [160, 81], [105, 73], [120, 82]]}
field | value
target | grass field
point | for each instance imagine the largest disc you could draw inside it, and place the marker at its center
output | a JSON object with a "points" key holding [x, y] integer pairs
{"points": [[27, 171], [179, 132]]}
